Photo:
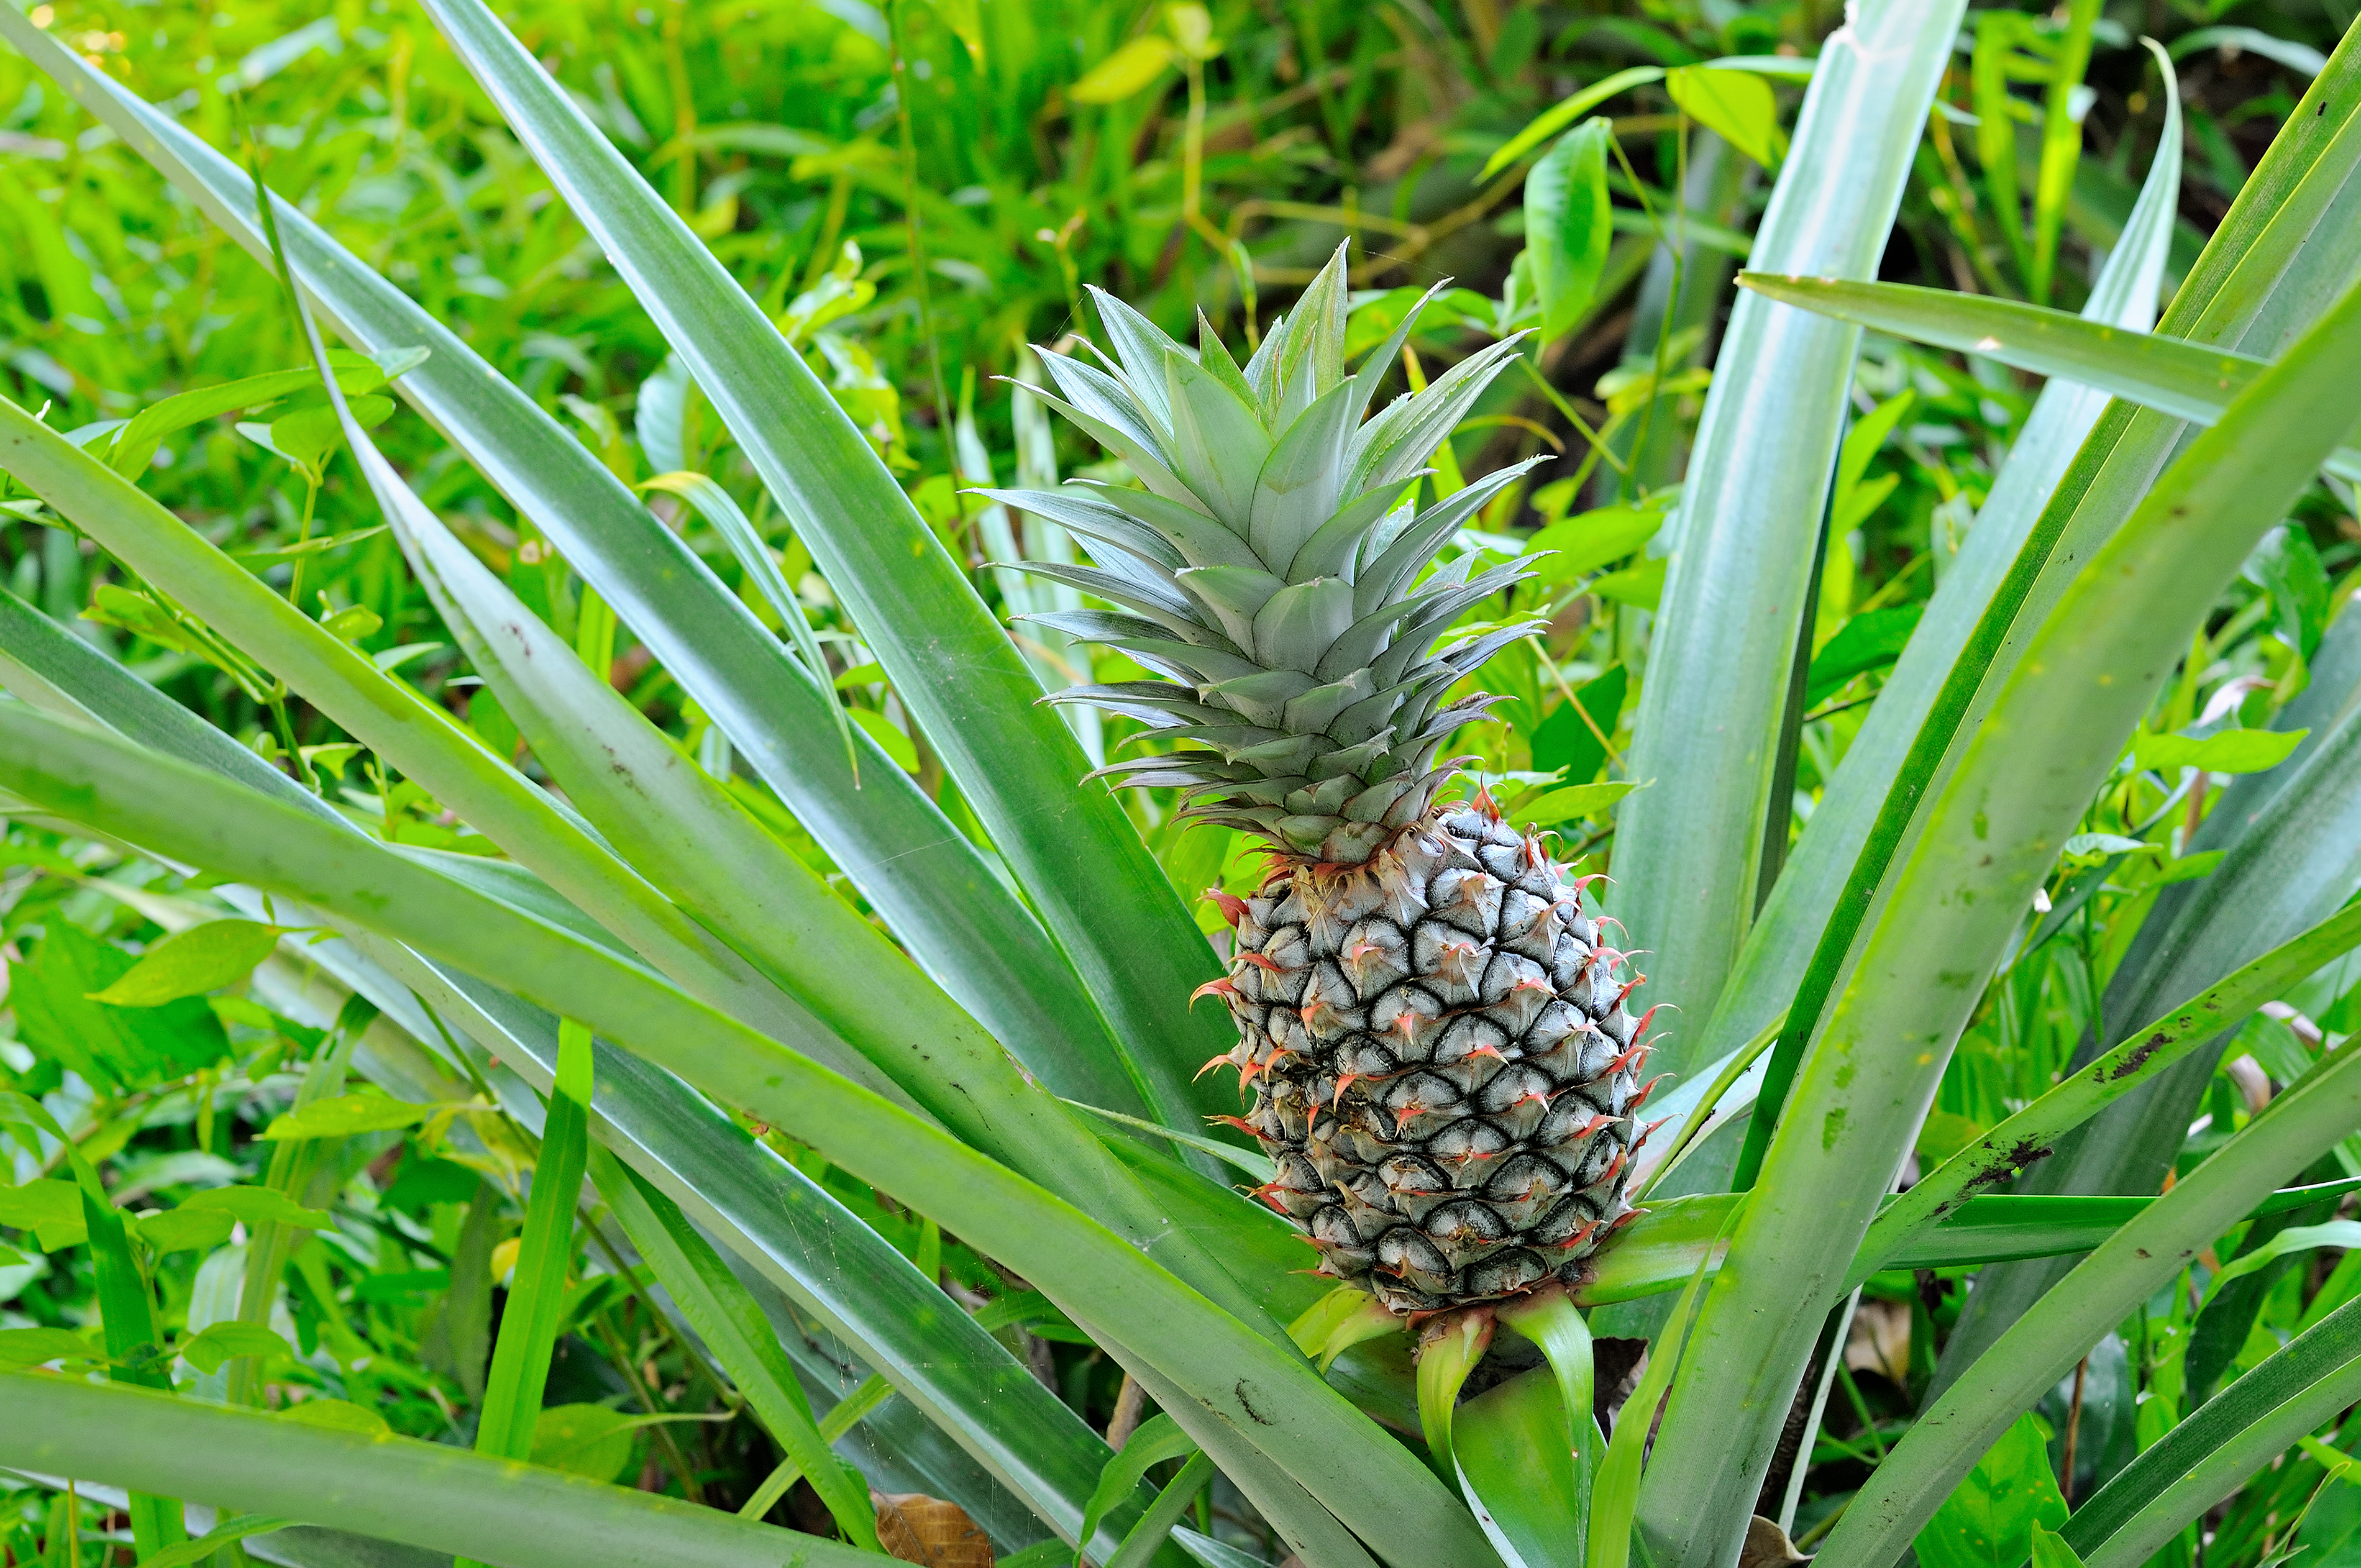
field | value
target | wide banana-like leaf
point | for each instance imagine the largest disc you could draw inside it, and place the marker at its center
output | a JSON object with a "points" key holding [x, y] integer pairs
{"points": [[1913, 1479], [1716, 697], [1075, 852], [933, 886], [841, 1274], [2183, 379], [2287, 864], [410, 732], [2297, 1389], [1799, 912], [1992, 835], [1268, 1397], [397, 1488]]}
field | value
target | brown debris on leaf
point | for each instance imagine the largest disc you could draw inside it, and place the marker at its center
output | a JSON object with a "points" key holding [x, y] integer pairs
{"points": [[915, 1528]]}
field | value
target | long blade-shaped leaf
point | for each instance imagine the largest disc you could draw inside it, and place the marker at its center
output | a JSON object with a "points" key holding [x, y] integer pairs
{"points": [[2041, 1346], [701, 846], [2186, 381], [1266, 1398], [1992, 835], [1075, 852], [735, 1333], [838, 1271], [1715, 695], [933, 886], [2196, 1465], [1781, 944], [396, 1488], [2289, 864], [2031, 1134], [410, 732]]}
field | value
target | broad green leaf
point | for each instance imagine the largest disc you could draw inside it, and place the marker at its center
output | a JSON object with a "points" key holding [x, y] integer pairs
{"points": [[184, 1230], [590, 1440], [31, 1347], [309, 437], [1615, 1497], [519, 1515], [1236, 1381], [927, 878], [1736, 105], [2219, 1445], [2173, 375], [1583, 543], [1574, 737], [2051, 1550], [1711, 711], [2231, 752], [261, 1205], [1575, 805], [968, 689], [1988, 1519], [2044, 1342], [50, 1209], [201, 959], [1559, 115], [890, 740], [1640, 586], [1568, 225], [343, 1116], [1128, 71], [222, 1341], [1870, 640]]}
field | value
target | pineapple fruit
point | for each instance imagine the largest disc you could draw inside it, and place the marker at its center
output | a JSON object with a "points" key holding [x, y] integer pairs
{"points": [[1441, 1065]]}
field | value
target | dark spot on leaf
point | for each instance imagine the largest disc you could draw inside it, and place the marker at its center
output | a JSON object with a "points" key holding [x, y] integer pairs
{"points": [[1247, 1404], [2138, 1058]]}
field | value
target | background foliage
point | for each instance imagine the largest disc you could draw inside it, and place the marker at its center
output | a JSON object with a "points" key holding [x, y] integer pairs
{"points": [[917, 192]]}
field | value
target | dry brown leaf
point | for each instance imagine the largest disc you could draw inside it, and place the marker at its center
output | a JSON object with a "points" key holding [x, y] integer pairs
{"points": [[1767, 1546], [919, 1529]]}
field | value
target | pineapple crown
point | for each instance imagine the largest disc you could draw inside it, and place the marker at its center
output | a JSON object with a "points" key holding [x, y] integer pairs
{"points": [[1271, 569]]}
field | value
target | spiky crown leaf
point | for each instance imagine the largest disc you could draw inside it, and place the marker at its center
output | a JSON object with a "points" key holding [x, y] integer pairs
{"points": [[1271, 569]]}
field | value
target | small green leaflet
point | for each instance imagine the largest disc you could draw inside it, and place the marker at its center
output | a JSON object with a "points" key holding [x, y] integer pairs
{"points": [[890, 740], [2298, 1238], [1737, 104], [202, 1549], [1551, 121], [226, 1341], [1595, 539], [206, 1221], [1641, 585], [1575, 805], [344, 1116], [584, 1440], [31, 1347], [2051, 1550], [1870, 640], [201, 959], [52, 1209], [1568, 225], [337, 1415], [2232, 751], [1988, 1519]]}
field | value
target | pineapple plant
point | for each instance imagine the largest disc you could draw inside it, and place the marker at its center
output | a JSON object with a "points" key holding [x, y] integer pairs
{"points": [[1425, 1009], [1432, 1027]]}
